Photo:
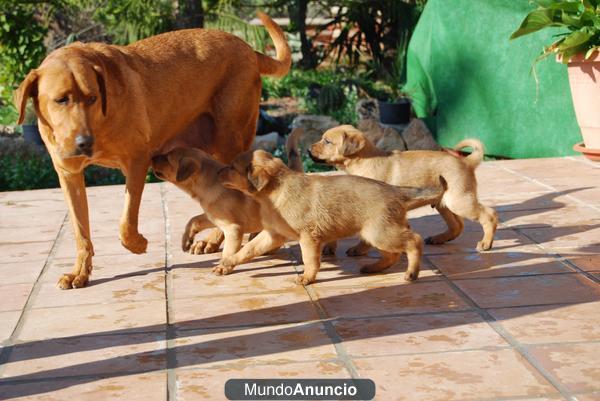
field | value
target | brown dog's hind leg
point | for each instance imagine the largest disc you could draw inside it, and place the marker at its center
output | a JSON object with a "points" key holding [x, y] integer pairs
{"points": [[387, 260], [455, 227], [400, 240], [73, 186], [135, 175], [311, 257], [360, 249]]}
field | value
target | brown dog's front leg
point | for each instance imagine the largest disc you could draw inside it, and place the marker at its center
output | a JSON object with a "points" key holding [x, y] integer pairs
{"points": [[73, 187], [135, 179]]}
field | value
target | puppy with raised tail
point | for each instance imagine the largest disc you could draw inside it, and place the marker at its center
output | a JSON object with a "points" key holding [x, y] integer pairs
{"points": [[317, 209], [349, 150]]}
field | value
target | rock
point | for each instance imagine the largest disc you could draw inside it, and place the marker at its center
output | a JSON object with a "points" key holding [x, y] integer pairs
{"points": [[418, 137], [268, 142], [383, 137], [314, 126]]}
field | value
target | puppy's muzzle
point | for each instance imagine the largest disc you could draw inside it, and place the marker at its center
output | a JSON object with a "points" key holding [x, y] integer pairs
{"points": [[315, 158]]}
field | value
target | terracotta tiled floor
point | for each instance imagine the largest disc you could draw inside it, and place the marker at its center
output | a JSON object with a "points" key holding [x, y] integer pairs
{"points": [[521, 322]]}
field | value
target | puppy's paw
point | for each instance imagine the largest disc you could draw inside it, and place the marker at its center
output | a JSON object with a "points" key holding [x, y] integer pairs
{"points": [[357, 250], [211, 247], [186, 242], [329, 249], [304, 280], [221, 270], [411, 276], [435, 240], [202, 247], [68, 281], [136, 243], [483, 246]]}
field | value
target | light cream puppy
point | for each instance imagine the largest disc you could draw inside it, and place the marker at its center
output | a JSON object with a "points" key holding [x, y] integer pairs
{"points": [[317, 209], [349, 150]]}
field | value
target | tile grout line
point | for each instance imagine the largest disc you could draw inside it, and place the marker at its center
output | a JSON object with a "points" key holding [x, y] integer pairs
{"points": [[517, 346], [7, 349], [326, 321], [169, 329]]}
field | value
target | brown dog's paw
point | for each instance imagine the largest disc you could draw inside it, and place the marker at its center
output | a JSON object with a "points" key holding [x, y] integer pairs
{"points": [[304, 280], [411, 276], [483, 246], [135, 243], [68, 281]]}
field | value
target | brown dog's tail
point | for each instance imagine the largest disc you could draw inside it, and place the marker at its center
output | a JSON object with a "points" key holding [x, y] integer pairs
{"points": [[476, 156], [279, 66], [292, 150]]}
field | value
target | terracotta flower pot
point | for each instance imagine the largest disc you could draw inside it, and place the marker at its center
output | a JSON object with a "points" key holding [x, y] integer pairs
{"points": [[584, 79]]}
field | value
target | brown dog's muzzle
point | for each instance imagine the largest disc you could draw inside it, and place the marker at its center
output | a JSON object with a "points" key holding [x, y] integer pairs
{"points": [[84, 144]]}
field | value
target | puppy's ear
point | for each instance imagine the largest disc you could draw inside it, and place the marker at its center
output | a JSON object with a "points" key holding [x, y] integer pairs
{"points": [[187, 167], [353, 141], [27, 89], [100, 76], [257, 177]]}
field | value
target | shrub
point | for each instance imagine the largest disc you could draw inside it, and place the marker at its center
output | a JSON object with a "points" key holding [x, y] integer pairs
{"points": [[27, 166]]}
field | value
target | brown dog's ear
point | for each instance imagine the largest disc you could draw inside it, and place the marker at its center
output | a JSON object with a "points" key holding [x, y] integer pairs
{"points": [[354, 141], [187, 167], [27, 89], [100, 76], [257, 177]]}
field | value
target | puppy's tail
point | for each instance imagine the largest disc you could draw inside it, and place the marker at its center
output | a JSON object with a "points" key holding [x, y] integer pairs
{"points": [[417, 197], [476, 156], [280, 65], [292, 150]]}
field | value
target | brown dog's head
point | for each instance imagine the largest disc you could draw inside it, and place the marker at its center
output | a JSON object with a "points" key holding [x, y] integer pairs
{"points": [[176, 166], [251, 172], [338, 144], [70, 98]]}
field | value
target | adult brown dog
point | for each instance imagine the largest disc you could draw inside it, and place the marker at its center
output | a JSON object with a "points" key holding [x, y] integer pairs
{"points": [[317, 209], [117, 106], [348, 149]]}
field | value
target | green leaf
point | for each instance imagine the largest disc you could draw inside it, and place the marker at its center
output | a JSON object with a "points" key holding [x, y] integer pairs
{"points": [[591, 51], [574, 40], [534, 21]]}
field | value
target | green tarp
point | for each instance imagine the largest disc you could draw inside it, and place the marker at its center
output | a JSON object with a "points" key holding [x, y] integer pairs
{"points": [[468, 80]]}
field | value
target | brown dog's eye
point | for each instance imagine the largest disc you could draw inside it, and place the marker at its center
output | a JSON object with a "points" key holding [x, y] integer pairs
{"points": [[327, 141], [90, 100], [63, 100]]}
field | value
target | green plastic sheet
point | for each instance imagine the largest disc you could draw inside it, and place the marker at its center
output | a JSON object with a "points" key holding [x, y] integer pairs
{"points": [[467, 79]]}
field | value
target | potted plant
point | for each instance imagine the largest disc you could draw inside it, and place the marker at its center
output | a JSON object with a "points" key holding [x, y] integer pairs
{"points": [[31, 133], [395, 108], [578, 47]]}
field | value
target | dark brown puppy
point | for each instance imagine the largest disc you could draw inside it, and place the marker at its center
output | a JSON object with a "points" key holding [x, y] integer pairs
{"points": [[317, 209], [118, 106]]}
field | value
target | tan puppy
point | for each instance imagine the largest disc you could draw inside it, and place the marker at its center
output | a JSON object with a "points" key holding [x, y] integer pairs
{"points": [[316, 209], [118, 106], [348, 149], [196, 173]]}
